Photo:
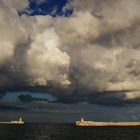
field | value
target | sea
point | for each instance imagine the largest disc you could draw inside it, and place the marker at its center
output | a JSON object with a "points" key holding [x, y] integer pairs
{"points": [[66, 131]]}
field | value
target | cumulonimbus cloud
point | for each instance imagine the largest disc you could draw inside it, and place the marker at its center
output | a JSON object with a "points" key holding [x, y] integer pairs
{"points": [[96, 48]]}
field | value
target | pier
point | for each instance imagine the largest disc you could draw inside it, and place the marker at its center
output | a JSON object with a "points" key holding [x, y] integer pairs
{"points": [[14, 122], [92, 123]]}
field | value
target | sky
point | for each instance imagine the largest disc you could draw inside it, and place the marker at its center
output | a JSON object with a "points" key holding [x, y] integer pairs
{"points": [[65, 59]]}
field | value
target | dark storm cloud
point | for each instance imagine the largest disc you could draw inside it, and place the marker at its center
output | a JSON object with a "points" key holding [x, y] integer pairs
{"points": [[83, 57], [10, 108]]}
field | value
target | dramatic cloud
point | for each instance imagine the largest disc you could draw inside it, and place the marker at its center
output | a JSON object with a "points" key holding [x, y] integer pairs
{"points": [[30, 48], [46, 61], [95, 50]]}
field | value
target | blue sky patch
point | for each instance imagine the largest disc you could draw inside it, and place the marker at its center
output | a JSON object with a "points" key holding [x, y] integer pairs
{"points": [[47, 7], [13, 96]]}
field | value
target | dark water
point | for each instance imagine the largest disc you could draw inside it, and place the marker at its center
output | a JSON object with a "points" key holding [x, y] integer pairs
{"points": [[46, 131]]}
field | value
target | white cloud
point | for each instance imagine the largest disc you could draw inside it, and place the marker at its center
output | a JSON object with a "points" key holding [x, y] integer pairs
{"points": [[46, 61]]}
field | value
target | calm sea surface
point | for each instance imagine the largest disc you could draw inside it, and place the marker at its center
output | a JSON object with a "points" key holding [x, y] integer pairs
{"points": [[45, 131]]}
